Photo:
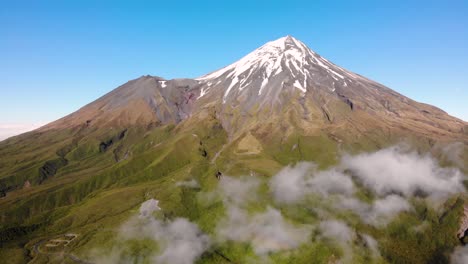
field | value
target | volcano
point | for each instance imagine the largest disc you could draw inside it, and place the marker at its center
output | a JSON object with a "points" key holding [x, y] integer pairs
{"points": [[280, 78], [280, 104]]}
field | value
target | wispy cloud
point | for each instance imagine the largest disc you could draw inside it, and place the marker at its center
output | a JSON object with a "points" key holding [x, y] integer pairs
{"points": [[180, 241], [460, 255], [267, 231], [409, 173]]}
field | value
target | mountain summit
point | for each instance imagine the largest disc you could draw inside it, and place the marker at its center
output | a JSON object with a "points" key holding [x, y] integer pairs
{"points": [[283, 58]]}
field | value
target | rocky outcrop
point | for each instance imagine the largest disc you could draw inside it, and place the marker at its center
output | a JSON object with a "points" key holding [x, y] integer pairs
{"points": [[5, 190], [347, 101], [8, 184], [27, 185], [462, 231], [17, 231], [121, 153], [50, 168], [103, 146]]}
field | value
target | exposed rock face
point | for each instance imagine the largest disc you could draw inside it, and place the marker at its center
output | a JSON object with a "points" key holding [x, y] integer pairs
{"points": [[50, 168], [461, 234], [103, 146], [26, 185]]}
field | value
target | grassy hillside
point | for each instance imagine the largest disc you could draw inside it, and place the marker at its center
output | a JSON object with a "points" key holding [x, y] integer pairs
{"points": [[86, 183]]}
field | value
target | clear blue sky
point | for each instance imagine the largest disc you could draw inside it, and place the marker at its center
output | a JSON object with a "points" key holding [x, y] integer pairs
{"points": [[56, 56]]}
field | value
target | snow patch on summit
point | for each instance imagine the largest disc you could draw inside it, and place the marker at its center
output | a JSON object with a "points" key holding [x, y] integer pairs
{"points": [[285, 54]]}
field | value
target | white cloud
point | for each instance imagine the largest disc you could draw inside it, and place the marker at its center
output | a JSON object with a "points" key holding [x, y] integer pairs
{"points": [[389, 206], [392, 175], [386, 173], [288, 184], [460, 255], [379, 212], [292, 183], [330, 182], [336, 230], [179, 241], [341, 233], [372, 244], [238, 190], [267, 231], [393, 170]]}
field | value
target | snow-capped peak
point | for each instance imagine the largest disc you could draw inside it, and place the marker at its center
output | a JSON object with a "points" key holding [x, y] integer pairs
{"points": [[285, 56], [269, 54]]}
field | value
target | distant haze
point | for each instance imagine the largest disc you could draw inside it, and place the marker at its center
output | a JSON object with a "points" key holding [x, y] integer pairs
{"points": [[9, 130]]}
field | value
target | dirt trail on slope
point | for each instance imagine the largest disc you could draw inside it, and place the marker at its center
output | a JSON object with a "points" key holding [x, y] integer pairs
{"points": [[56, 242]]}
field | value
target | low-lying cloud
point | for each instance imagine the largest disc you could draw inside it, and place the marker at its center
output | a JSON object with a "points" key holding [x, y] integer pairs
{"points": [[340, 233], [292, 183], [336, 230], [409, 173], [392, 175], [379, 212], [266, 231], [460, 255], [237, 191], [376, 187], [179, 241]]}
